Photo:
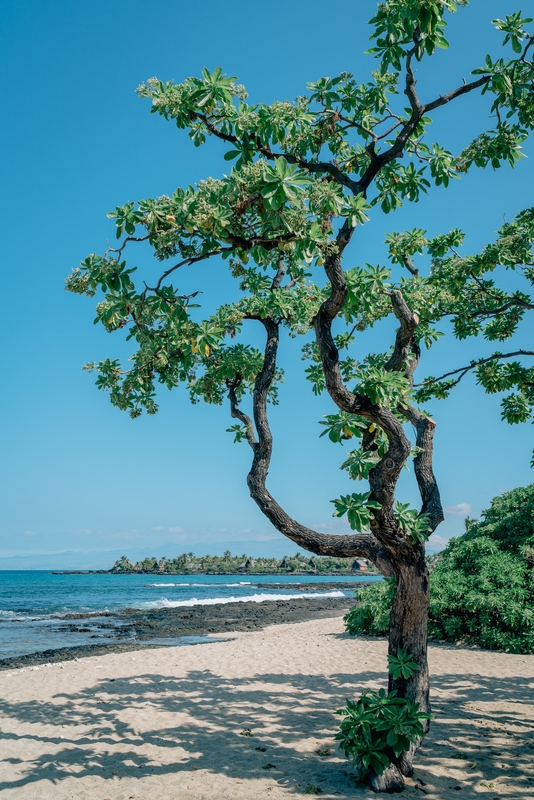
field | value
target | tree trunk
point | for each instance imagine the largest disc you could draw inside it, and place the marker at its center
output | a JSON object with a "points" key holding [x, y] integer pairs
{"points": [[408, 626], [408, 630]]}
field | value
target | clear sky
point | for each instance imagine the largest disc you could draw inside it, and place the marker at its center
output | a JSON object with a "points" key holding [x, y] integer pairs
{"points": [[76, 473]]}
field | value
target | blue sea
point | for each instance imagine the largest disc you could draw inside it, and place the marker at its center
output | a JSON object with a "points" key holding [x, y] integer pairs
{"points": [[33, 603]]}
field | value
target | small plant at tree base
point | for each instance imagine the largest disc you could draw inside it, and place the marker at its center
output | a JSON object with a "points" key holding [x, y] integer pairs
{"points": [[402, 665], [378, 728]]}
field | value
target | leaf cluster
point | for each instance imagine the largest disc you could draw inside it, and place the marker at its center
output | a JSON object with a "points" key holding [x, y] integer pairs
{"points": [[411, 522], [402, 665], [377, 728], [358, 508]]}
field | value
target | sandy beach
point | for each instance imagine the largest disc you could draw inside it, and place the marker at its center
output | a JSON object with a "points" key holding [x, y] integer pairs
{"points": [[251, 717]]}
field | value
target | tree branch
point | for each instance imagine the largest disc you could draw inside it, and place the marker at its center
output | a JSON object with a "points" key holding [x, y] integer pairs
{"points": [[422, 464], [474, 365], [119, 250], [321, 166], [277, 280], [446, 98], [188, 262], [404, 340], [236, 412], [364, 545], [408, 263], [514, 301], [383, 478], [410, 90]]}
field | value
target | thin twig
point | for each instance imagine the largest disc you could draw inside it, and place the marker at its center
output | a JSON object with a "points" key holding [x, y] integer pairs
{"points": [[474, 365]]}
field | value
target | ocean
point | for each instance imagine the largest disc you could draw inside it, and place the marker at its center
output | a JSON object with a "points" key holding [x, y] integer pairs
{"points": [[34, 604]]}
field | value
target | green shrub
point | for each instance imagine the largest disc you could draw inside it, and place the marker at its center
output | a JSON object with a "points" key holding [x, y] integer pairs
{"points": [[378, 727], [371, 616], [481, 585]]}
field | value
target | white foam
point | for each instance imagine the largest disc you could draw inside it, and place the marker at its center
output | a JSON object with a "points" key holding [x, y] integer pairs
{"points": [[241, 583], [184, 584], [13, 615], [254, 598], [165, 584]]}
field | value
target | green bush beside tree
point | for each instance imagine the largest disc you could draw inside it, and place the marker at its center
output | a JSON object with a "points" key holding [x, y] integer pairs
{"points": [[482, 584]]}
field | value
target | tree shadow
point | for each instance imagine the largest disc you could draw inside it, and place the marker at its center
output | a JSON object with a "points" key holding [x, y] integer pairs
{"points": [[160, 725]]}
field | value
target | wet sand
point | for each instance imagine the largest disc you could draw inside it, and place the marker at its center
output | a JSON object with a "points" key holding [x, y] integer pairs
{"points": [[253, 718]]}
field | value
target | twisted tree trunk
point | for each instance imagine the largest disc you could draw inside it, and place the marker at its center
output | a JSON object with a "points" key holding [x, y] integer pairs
{"points": [[387, 545], [408, 631]]}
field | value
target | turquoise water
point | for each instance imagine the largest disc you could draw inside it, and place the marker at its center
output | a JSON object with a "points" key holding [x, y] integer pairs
{"points": [[32, 603]]}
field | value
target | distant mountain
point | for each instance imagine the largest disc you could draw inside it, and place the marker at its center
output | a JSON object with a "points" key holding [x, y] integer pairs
{"points": [[71, 559]]}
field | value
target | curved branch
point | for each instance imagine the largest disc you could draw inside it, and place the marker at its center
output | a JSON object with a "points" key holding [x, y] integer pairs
{"points": [[320, 166], [188, 262], [513, 302], [383, 478], [422, 464], [236, 412], [418, 112], [119, 250], [364, 545], [404, 340], [474, 365]]}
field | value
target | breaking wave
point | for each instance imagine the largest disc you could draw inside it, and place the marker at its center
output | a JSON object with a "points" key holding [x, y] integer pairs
{"points": [[253, 598], [241, 583]]}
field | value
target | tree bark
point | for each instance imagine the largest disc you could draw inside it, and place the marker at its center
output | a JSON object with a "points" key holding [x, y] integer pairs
{"points": [[408, 631], [408, 625]]}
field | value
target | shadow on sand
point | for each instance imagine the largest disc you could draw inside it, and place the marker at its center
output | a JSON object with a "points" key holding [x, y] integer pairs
{"points": [[158, 725]]}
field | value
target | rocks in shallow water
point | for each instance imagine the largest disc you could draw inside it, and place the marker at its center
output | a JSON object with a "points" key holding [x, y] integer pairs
{"points": [[135, 626]]}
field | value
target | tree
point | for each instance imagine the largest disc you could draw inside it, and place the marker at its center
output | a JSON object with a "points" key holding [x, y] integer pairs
{"points": [[123, 564], [305, 175]]}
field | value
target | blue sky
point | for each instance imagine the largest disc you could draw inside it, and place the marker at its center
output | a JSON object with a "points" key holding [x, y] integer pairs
{"points": [[77, 474]]}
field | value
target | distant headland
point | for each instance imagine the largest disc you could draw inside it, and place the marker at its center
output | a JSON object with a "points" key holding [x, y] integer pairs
{"points": [[227, 564]]}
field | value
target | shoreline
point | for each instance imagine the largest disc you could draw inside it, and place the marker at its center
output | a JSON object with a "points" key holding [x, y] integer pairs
{"points": [[184, 621]]}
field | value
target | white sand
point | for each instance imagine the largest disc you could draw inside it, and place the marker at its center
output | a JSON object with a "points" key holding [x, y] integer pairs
{"points": [[167, 724]]}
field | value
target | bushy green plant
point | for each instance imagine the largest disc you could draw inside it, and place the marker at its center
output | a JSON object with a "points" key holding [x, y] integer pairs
{"points": [[378, 727], [371, 613], [482, 584], [483, 594]]}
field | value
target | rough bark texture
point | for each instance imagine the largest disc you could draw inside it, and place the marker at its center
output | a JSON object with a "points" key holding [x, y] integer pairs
{"points": [[390, 781]]}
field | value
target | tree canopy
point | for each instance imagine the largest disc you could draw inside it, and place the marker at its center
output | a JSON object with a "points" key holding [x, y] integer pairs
{"points": [[333, 154]]}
